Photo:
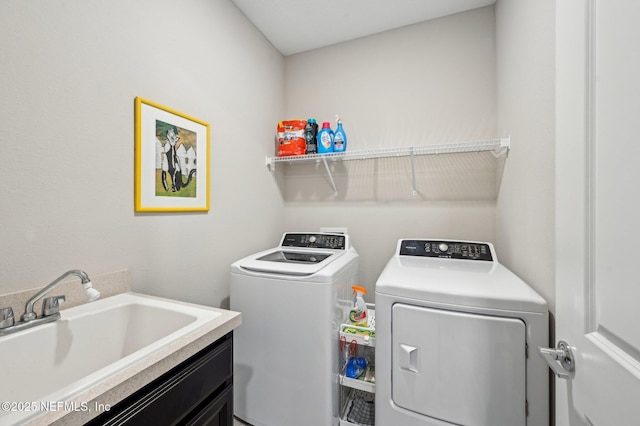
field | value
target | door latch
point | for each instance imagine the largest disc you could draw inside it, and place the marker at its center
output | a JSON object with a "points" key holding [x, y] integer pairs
{"points": [[559, 359]]}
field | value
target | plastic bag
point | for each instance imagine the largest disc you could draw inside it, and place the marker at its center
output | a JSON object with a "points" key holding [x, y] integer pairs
{"points": [[290, 138], [355, 367]]}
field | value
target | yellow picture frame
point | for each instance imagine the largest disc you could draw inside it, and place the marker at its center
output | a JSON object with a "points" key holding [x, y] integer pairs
{"points": [[172, 153]]}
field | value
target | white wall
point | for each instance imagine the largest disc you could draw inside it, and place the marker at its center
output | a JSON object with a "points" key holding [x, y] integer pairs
{"points": [[70, 72], [427, 83], [525, 36]]}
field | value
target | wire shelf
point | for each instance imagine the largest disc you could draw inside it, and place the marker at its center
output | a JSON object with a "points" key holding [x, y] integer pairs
{"points": [[499, 146]]}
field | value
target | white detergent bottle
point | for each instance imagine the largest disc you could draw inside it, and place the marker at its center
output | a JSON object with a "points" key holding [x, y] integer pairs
{"points": [[358, 315]]}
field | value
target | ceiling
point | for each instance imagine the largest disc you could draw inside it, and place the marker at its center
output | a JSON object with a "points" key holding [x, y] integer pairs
{"points": [[295, 26]]}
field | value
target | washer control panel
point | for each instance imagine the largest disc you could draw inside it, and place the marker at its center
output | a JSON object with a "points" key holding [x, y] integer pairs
{"points": [[446, 249], [324, 241]]}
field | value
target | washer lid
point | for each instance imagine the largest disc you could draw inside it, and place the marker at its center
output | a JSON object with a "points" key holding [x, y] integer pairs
{"points": [[464, 282], [280, 261]]}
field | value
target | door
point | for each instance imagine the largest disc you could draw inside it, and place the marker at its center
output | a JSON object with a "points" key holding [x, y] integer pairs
{"points": [[458, 367], [598, 210]]}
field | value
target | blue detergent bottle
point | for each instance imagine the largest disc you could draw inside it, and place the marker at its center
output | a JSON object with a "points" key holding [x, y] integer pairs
{"points": [[339, 138], [325, 139]]}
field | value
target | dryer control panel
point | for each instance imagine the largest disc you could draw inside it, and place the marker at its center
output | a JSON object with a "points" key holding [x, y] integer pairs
{"points": [[323, 241], [446, 249]]}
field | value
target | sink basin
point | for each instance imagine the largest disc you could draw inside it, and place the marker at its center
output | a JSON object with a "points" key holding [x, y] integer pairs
{"points": [[90, 343]]}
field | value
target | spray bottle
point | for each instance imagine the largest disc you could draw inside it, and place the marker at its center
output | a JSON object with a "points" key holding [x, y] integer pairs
{"points": [[358, 314], [339, 138]]}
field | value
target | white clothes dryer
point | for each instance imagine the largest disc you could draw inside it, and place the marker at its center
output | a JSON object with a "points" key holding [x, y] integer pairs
{"points": [[285, 351], [456, 338]]}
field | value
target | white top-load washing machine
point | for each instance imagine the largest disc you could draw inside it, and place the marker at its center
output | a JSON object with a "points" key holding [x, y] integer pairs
{"points": [[456, 339], [285, 351]]}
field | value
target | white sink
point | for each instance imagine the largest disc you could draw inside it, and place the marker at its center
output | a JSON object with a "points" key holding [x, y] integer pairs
{"points": [[90, 343]]}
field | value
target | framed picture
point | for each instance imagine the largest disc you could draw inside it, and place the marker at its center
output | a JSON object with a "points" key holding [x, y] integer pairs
{"points": [[172, 160]]}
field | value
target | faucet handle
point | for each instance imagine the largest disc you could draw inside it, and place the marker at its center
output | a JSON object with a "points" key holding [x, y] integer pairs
{"points": [[6, 317], [51, 305]]}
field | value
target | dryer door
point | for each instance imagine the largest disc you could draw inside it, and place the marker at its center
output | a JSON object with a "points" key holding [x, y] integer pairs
{"points": [[461, 368]]}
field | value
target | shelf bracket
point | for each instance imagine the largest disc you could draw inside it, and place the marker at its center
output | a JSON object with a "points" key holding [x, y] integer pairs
{"points": [[505, 145], [271, 165], [413, 173], [333, 184]]}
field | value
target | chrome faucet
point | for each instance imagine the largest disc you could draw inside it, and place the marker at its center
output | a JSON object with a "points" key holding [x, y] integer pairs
{"points": [[92, 294], [50, 306]]}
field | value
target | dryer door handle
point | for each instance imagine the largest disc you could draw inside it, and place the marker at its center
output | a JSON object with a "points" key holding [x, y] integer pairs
{"points": [[408, 358]]}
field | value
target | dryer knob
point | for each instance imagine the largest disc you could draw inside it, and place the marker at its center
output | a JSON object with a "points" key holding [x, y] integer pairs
{"points": [[443, 247], [312, 239]]}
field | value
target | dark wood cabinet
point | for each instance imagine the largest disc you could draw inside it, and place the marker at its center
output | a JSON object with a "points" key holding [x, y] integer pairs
{"points": [[197, 392]]}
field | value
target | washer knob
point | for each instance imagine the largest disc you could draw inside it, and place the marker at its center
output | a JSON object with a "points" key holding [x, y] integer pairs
{"points": [[443, 247], [312, 239]]}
